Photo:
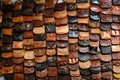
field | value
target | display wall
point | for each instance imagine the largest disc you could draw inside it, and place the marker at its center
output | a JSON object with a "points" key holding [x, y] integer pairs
{"points": [[60, 40]]}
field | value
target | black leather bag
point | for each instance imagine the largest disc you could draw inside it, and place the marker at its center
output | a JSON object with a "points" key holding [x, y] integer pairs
{"points": [[85, 72], [71, 6], [51, 61], [116, 2], [7, 48], [106, 66], [7, 39], [93, 50], [95, 70], [105, 50], [40, 66], [17, 36], [72, 19]]}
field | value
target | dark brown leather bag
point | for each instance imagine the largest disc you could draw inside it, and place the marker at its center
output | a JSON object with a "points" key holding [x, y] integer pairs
{"points": [[61, 21], [52, 71], [39, 52], [49, 4], [51, 37], [18, 68]]}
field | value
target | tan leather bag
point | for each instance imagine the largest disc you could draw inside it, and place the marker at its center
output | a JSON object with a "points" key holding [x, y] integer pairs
{"points": [[62, 51], [83, 20], [38, 16], [62, 29], [60, 14], [17, 19], [7, 31], [39, 44], [83, 36], [105, 35], [49, 20], [39, 1], [18, 53], [85, 65], [41, 59], [18, 44], [7, 54], [83, 5], [72, 13], [7, 70], [51, 52], [75, 73], [29, 55], [39, 30], [115, 48], [28, 41]]}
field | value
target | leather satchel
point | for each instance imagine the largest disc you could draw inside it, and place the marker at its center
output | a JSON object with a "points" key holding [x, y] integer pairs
{"points": [[105, 57], [7, 70], [42, 73], [95, 63], [27, 12], [62, 29], [74, 67], [83, 57], [106, 18], [27, 18], [49, 3], [29, 76], [49, 20], [40, 66], [71, 6], [82, 12], [39, 52], [39, 44], [115, 26], [72, 13], [16, 13], [83, 20], [83, 36], [38, 23], [62, 44], [49, 12], [83, 49], [6, 39], [105, 4], [95, 31], [60, 14], [116, 69], [7, 54], [7, 15], [75, 73], [29, 70], [51, 52], [73, 26], [72, 19], [51, 44], [95, 9], [73, 60], [18, 68], [51, 37], [94, 24], [7, 31], [41, 59], [61, 21], [28, 42], [84, 5], [38, 8], [39, 37], [7, 48], [73, 47], [18, 60], [7, 62], [39, 1], [73, 34], [115, 48], [116, 2], [106, 66], [73, 54], [94, 16], [84, 43], [62, 51], [114, 32], [85, 65], [93, 50], [107, 75], [27, 34], [18, 53], [50, 28], [63, 69]]}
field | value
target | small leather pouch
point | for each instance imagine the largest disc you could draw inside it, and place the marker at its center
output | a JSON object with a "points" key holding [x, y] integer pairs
{"points": [[105, 4], [62, 60], [105, 42], [115, 10], [49, 12], [51, 52], [38, 23], [62, 44], [39, 52], [49, 20], [71, 6], [28, 42], [28, 34], [39, 44], [62, 29], [84, 36], [40, 66], [49, 3], [106, 66], [83, 5], [85, 65], [6, 62], [29, 63], [18, 53], [105, 57], [63, 69], [18, 60], [18, 68], [116, 2], [7, 54], [62, 37], [51, 44], [83, 20], [29, 70], [51, 37], [39, 30], [105, 26], [83, 57], [52, 61], [7, 31], [17, 19], [60, 6], [18, 76], [105, 35], [83, 27], [106, 49], [50, 28], [106, 75], [116, 56], [52, 71], [18, 44], [115, 48], [7, 70], [42, 73], [6, 39], [7, 48], [41, 59], [60, 14], [29, 55], [61, 21], [82, 12], [62, 51], [39, 8]]}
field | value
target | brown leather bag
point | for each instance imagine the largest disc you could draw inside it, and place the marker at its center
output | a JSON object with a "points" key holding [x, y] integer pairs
{"points": [[49, 3], [29, 63], [18, 68], [39, 52], [41, 59], [18, 60], [27, 18], [62, 29], [28, 34], [7, 70], [83, 36], [52, 71], [61, 21], [85, 65], [28, 42], [18, 76], [18, 53], [29, 70], [116, 10], [83, 5], [62, 51], [42, 74], [39, 44], [29, 55], [115, 48], [39, 30], [51, 52], [83, 20], [49, 20], [7, 54], [17, 19], [60, 14], [18, 44], [51, 37], [7, 31], [39, 1]]}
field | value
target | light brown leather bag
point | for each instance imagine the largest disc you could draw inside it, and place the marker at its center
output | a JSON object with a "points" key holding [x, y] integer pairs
{"points": [[18, 53], [29, 55], [83, 36], [83, 5], [60, 14], [62, 29], [62, 51], [39, 30]]}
